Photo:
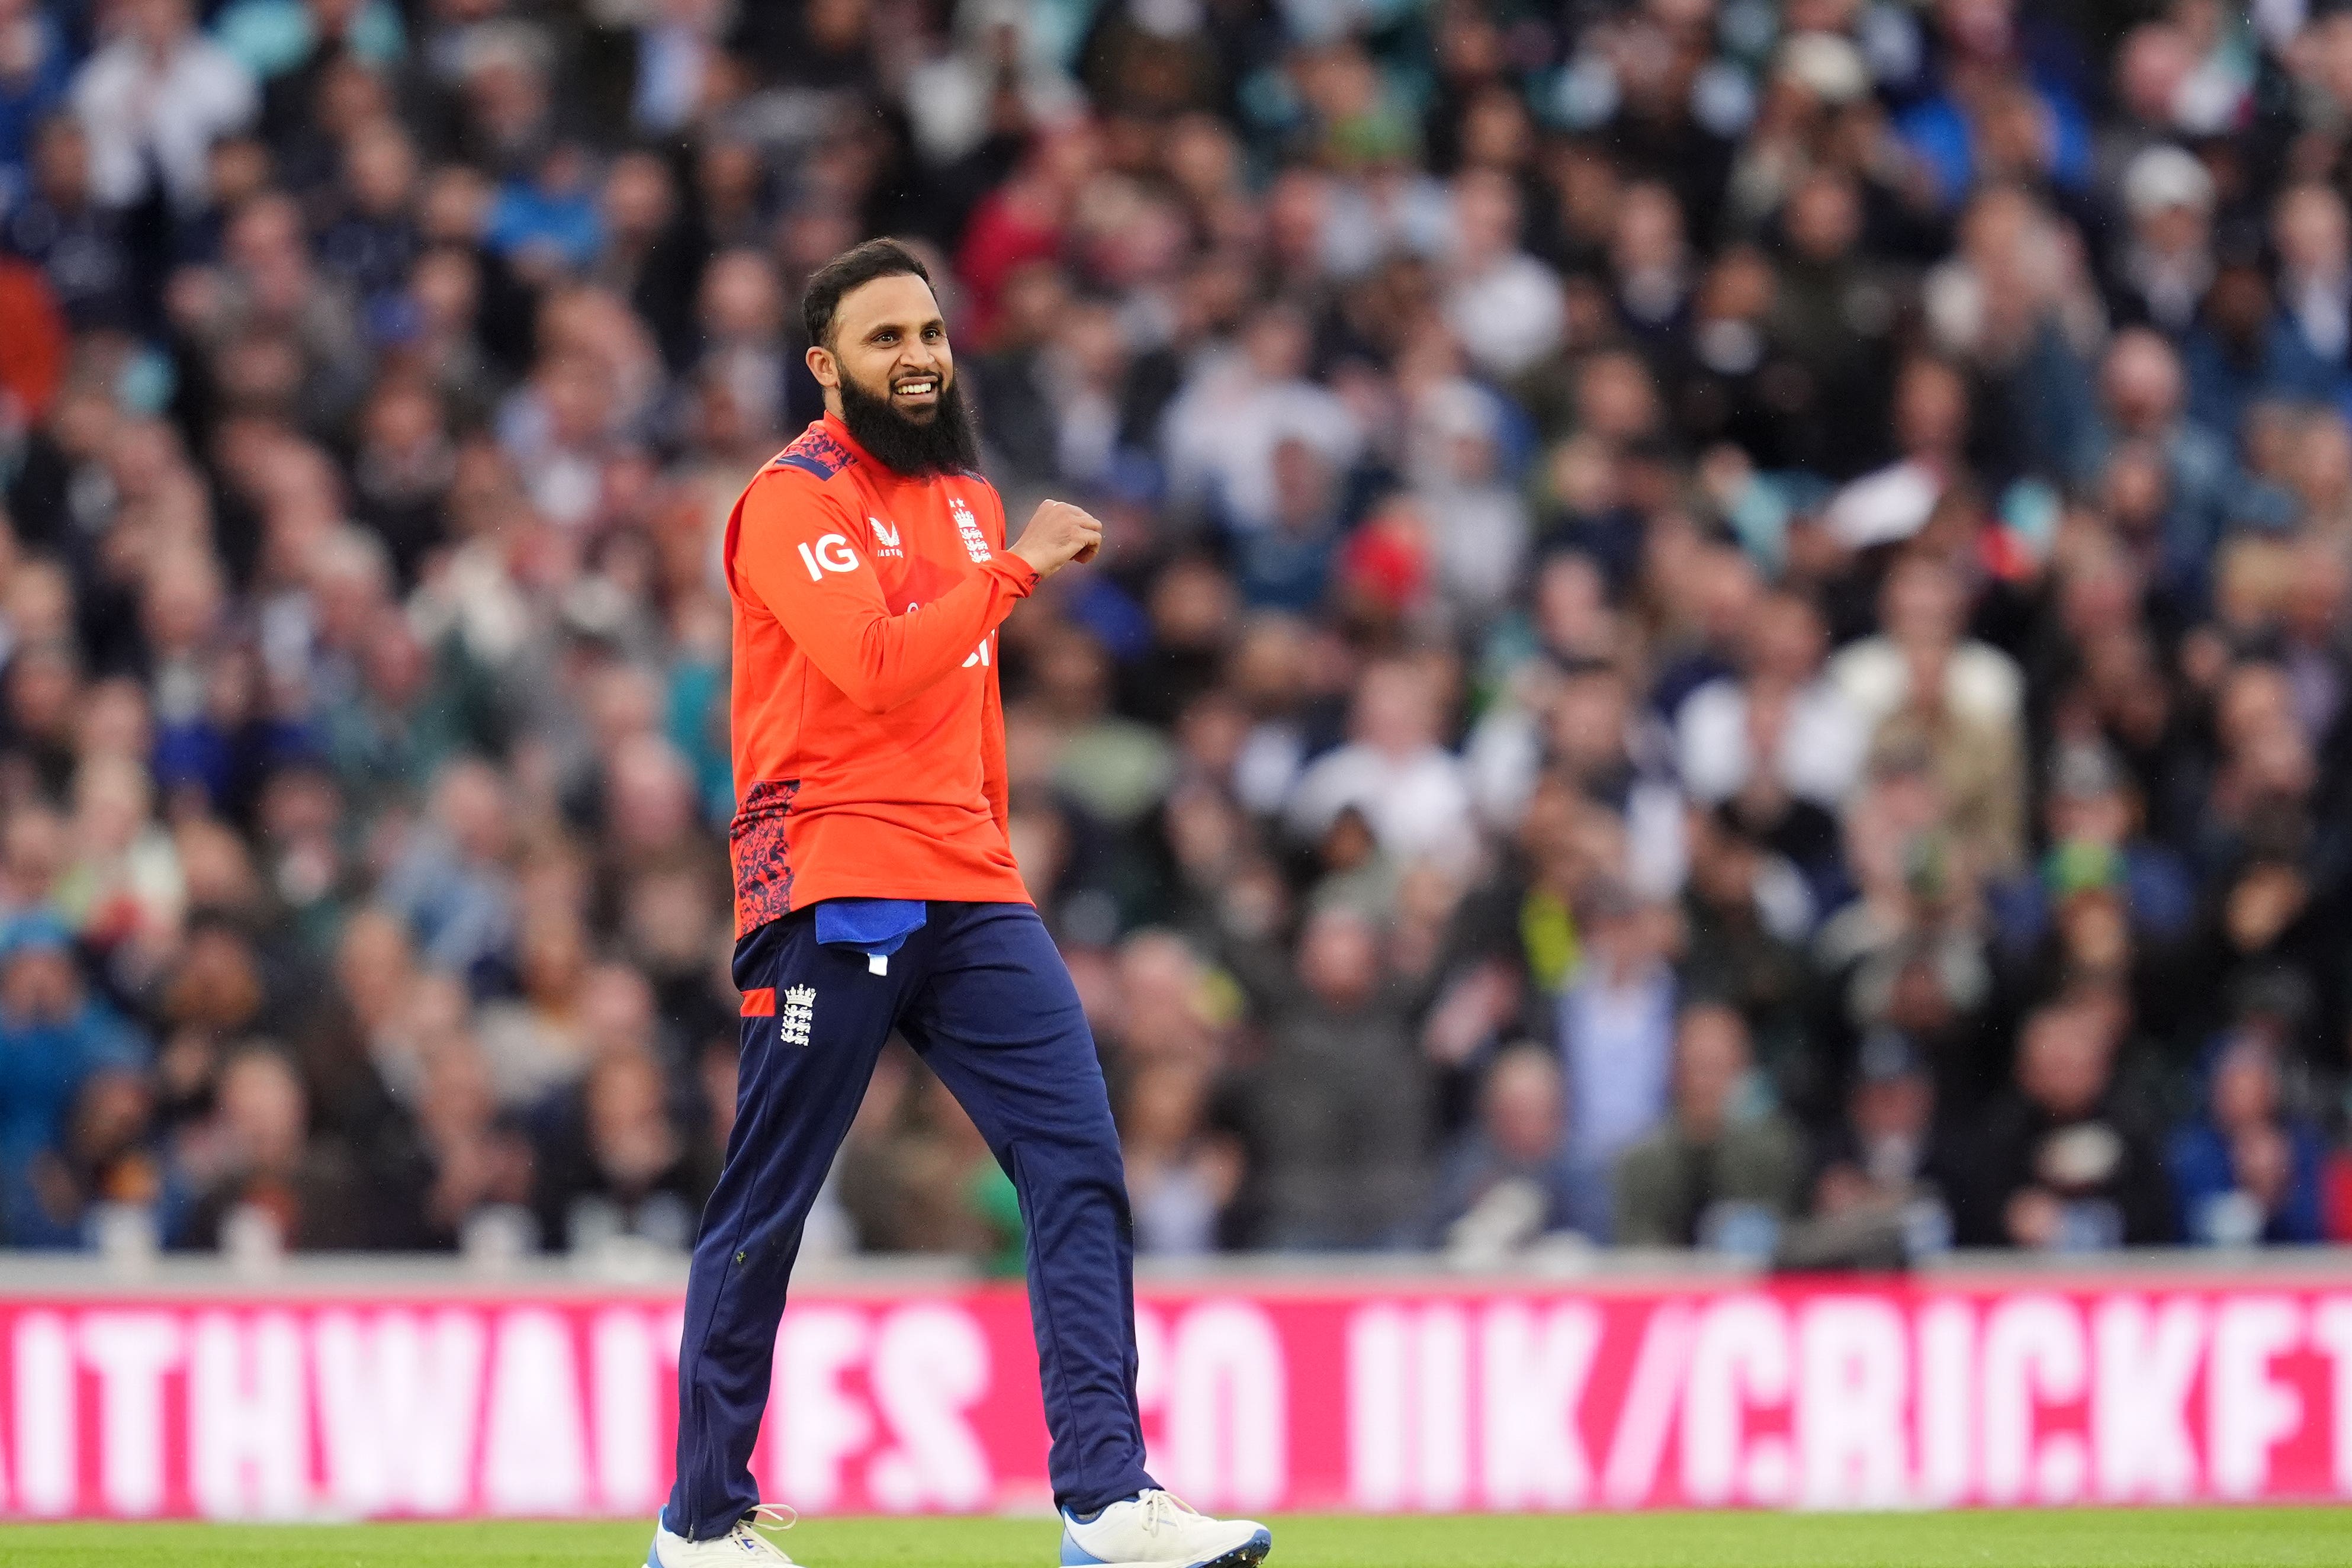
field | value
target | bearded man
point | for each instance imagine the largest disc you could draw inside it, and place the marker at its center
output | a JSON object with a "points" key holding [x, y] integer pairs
{"points": [[876, 890]]}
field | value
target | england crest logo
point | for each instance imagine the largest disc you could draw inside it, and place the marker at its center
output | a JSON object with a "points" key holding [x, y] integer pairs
{"points": [[793, 1018], [975, 543]]}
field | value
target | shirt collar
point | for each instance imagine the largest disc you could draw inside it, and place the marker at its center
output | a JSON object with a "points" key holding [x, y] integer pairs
{"points": [[840, 432]]}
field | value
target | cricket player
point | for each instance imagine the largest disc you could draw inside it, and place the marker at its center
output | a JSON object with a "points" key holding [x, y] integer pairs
{"points": [[876, 888]]}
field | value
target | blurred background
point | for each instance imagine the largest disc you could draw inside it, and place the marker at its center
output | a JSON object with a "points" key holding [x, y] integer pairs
{"points": [[1723, 626]]}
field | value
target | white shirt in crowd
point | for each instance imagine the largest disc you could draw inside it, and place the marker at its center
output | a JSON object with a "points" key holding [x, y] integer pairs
{"points": [[138, 110], [1417, 804], [1617, 1045], [1510, 314], [1223, 430], [1821, 751], [1980, 682]]}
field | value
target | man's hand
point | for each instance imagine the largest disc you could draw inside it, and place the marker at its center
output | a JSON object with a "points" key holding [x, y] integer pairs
{"points": [[1057, 534]]}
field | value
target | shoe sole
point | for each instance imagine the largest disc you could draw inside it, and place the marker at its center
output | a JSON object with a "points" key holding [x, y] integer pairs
{"points": [[1248, 1554], [653, 1557]]}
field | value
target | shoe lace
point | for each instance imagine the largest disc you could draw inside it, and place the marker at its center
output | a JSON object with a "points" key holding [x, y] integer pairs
{"points": [[765, 1516], [1161, 1507]]}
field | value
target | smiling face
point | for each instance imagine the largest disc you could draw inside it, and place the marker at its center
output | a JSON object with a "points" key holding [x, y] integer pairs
{"points": [[889, 376], [890, 343]]}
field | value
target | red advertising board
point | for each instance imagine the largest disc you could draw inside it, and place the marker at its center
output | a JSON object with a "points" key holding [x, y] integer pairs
{"points": [[1807, 1393]]}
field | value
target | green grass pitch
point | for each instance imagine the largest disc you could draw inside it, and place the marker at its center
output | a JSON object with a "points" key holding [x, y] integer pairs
{"points": [[2223, 1538]]}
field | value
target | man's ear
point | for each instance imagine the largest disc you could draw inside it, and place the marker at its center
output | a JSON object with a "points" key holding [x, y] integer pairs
{"points": [[825, 367]]}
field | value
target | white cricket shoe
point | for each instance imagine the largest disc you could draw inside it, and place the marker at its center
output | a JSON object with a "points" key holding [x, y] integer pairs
{"points": [[1159, 1530], [741, 1547]]}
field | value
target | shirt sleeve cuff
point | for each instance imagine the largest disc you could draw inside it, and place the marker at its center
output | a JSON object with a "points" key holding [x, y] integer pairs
{"points": [[1018, 574]]}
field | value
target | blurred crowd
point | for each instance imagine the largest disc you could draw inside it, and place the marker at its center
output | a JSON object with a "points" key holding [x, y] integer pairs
{"points": [[1722, 623]]}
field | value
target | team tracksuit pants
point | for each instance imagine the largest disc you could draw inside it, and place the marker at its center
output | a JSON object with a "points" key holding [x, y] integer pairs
{"points": [[983, 998]]}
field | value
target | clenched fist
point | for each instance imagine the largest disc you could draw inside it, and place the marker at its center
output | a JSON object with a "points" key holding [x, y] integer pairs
{"points": [[1057, 534]]}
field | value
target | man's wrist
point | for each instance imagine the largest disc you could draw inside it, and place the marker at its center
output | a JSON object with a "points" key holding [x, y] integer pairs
{"points": [[1025, 573]]}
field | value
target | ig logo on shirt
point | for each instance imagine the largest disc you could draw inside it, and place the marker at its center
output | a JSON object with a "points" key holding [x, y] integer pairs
{"points": [[832, 554]]}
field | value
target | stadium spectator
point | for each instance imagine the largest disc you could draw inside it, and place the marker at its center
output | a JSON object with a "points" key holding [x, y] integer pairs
{"points": [[1182, 1173], [1339, 1118], [616, 1164], [252, 1166], [1892, 1151], [54, 1037], [2065, 1164], [1394, 771], [35, 67], [106, 1160], [1506, 1183], [468, 1163], [1745, 913], [2245, 1171], [1718, 1171], [155, 98], [1616, 1029]]}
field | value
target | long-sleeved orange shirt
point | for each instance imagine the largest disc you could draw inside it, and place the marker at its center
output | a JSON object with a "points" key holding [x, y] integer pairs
{"points": [[869, 735]]}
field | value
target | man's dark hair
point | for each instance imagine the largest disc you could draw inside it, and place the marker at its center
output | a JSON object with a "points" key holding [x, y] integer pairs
{"points": [[858, 264]]}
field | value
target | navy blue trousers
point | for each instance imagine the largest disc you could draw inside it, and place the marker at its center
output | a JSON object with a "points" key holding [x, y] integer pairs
{"points": [[983, 998]]}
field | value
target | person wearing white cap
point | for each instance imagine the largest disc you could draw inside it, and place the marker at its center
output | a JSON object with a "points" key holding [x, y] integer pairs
{"points": [[2162, 271], [1814, 77]]}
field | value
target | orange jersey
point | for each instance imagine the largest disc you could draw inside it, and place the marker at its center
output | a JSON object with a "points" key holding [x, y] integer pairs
{"points": [[868, 734]]}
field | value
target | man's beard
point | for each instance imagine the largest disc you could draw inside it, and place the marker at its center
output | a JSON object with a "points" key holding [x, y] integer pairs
{"points": [[946, 445]]}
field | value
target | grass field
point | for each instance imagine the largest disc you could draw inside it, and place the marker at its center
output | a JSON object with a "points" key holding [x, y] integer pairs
{"points": [[2268, 1538]]}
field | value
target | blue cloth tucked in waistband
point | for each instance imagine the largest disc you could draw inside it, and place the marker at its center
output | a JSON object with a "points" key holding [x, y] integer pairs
{"points": [[875, 927]]}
